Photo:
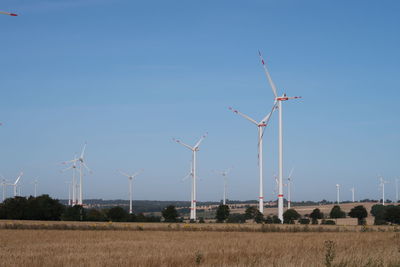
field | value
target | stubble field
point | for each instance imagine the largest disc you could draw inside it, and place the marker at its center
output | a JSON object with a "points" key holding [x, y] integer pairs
{"points": [[196, 248]]}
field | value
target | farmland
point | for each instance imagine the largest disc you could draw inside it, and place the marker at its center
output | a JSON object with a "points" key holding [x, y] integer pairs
{"points": [[191, 248]]}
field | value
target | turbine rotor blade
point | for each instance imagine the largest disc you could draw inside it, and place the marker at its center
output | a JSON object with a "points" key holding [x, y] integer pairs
{"points": [[83, 151], [185, 145], [8, 13], [271, 83], [243, 115], [124, 174], [201, 140]]}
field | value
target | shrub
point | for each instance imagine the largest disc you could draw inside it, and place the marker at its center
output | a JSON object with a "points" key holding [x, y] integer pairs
{"points": [[360, 213], [117, 214], [304, 221], [328, 222], [336, 212], [170, 214], [222, 213], [290, 215]]}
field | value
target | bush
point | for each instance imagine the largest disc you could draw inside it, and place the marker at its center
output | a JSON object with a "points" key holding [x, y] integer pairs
{"points": [[392, 214], [315, 215], [336, 212], [170, 214], [328, 222], [360, 213], [304, 221], [259, 217], [236, 218], [117, 214], [222, 213], [290, 215], [95, 215], [75, 213]]}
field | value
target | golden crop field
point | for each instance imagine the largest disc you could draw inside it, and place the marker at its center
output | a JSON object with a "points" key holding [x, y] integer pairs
{"points": [[21, 247]]}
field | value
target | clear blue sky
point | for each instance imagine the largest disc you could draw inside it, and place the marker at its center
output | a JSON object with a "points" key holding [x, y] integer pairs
{"points": [[128, 76]]}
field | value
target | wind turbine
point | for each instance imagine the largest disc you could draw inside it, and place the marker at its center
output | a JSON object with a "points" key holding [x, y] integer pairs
{"points": [[131, 177], [397, 190], [35, 182], [288, 185], [352, 194], [15, 184], [261, 128], [8, 13], [69, 185], [4, 185], [278, 100], [337, 193], [382, 185], [225, 177], [82, 164], [74, 184], [194, 150]]}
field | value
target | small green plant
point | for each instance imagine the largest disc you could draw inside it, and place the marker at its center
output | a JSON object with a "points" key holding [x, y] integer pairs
{"points": [[198, 258], [329, 252]]}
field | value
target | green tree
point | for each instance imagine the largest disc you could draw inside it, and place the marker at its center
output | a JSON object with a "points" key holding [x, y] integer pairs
{"points": [[222, 213], [117, 214], [236, 218], [290, 215], [392, 214], [360, 213], [170, 214], [75, 213], [259, 217], [15, 208], [95, 215], [44, 208], [315, 215], [336, 212], [251, 212], [379, 213]]}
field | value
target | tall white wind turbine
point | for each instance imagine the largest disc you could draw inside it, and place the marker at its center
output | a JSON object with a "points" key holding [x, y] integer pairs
{"points": [[278, 100], [194, 150], [261, 128], [337, 193], [130, 178], [16, 183], [82, 166], [74, 185], [382, 183], [352, 194], [224, 175], [289, 188], [35, 183]]}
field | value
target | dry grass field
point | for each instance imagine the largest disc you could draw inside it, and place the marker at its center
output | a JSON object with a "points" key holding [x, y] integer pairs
{"points": [[35, 243]]}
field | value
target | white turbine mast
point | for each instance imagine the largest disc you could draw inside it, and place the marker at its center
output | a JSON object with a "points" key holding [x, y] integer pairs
{"points": [[69, 186], [397, 190], [35, 183], [4, 187], [278, 100], [16, 183], [74, 184], [82, 165], [337, 193], [261, 128], [194, 150], [352, 194], [382, 183], [130, 178], [224, 175], [289, 183]]}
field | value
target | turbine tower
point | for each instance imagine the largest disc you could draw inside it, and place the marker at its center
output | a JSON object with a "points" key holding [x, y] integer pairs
{"points": [[289, 189], [69, 185], [382, 183], [74, 184], [35, 182], [397, 190], [15, 184], [278, 100], [82, 165], [194, 150], [337, 193], [352, 194], [261, 128], [224, 175], [130, 178]]}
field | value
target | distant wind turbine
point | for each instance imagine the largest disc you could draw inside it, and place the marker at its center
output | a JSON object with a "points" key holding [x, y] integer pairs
{"points": [[194, 150], [130, 178], [382, 183], [224, 175], [289, 188], [352, 194], [337, 193], [74, 183]]}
